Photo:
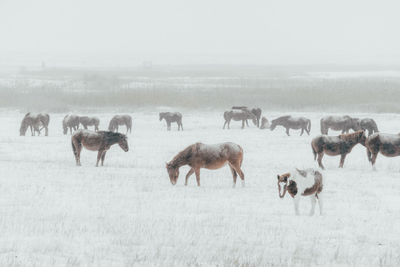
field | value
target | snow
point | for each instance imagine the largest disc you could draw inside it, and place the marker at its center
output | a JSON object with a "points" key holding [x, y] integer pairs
{"points": [[128, 213]]}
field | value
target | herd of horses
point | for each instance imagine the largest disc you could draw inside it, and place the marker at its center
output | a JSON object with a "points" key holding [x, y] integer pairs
{"points": [[297, 183], [216, 156]]}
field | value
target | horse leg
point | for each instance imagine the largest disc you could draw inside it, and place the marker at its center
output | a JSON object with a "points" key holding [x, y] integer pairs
{"points": [[99, 154], [313, 202], [77, 147], [234, 174], [296, 201], [320, 203], [102, 157], [197, 172], [287, 131], [302, 131], [229, 123], [84, 126], [191, 171], [373, 160], [320, 155], [181, 125], [224, 124], [243, 124], [247, 123], [236, 166], [168, 126], [32, 132], [46, 131], [342, 157]]}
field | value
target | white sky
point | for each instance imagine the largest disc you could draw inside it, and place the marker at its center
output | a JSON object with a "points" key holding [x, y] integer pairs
{"points": [[201, 32]]}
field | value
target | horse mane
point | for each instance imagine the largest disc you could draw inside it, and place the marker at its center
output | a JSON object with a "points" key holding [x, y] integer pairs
{"points": [[350, 136], [282, 117], [27, 114], [112, 137], [182, 157]]}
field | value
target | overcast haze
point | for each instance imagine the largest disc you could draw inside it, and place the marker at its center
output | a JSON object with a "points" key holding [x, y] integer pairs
{"points": [[199, 32]]}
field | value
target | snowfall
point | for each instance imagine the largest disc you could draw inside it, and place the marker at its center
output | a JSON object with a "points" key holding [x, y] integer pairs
{"points": [[127, 213]]}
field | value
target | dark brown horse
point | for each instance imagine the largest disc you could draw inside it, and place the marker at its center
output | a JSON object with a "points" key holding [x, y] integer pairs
{"points": [[120, 120], [100, 141], [170, 117], [89, 121], [336, 145], [387, 144], [71, 122], [207, 156], [34, 122]]}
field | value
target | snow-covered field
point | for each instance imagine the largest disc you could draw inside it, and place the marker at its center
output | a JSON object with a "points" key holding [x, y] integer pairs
{"points": [[127, 213]]}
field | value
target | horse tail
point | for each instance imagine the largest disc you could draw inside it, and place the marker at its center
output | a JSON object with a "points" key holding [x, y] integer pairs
{"points": [[369, 155], [309, 125], [375, 126], [130, 124], [313, 150], [47, 119]]}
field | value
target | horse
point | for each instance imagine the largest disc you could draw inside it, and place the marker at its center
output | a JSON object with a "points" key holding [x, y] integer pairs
{"points": [[120, 120], [71, 122], [339, 123], [370, 125], [89, 121], [256, 111], [387, 144], [211, 157], [264, 123], [239, 115], [290, 122], [34, 121], [100, 141], [336, 145], [172, 117], [299, 183]]}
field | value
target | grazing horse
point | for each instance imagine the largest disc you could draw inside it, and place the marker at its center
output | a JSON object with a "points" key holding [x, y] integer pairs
{"points": [[370, 125], [71, 122], [120, 120], [238, 115], [100, 141], [172, 117], [34, 121], [89, 121], [387, 144], [290, 122], [256, 111], [339, 123], [302, 183], [336, 145], [264, 123], [207, 156]]}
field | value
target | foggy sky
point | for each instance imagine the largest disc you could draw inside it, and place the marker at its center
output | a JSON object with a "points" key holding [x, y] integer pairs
{"points": [[199, 32]]}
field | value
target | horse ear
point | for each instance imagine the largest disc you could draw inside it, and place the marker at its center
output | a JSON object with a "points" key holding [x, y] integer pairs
{"points": [[302, 172]]}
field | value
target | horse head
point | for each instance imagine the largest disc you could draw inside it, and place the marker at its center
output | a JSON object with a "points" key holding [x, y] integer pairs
{"points": [[273, 125], [173, 173], [283, 179], [162, 114], [123, 143]]}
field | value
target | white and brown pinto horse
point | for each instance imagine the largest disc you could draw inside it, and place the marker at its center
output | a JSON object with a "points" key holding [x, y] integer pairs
{"points": [[34, 122], [336, 145], [207, 156], [302, 183], [100, 141], [387, 144]]}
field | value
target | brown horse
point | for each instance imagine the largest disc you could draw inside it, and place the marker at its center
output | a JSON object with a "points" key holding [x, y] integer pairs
{"points": [[171, 117], [207, 156], [89, 121], [336, 145], [34, 121], [120, 120], [100, 141], [387, 144]]}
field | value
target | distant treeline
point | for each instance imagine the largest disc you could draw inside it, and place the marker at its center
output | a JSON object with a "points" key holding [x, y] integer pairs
{"points": [[63, 91]]}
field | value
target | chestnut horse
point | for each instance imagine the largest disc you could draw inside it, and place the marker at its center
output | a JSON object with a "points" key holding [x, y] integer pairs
{"points": [[100, 141], [207, 156], [336, 145]]}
